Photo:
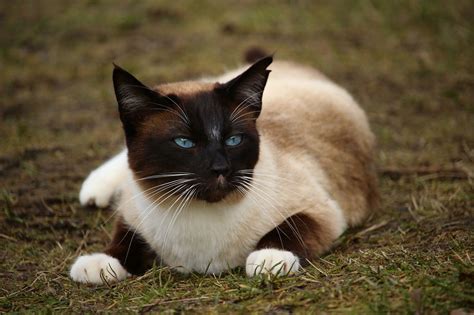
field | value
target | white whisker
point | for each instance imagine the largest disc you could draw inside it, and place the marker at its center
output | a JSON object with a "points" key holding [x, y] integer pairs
{"points": [[149, 210], [246, 192], [172, 174], [268, 198], [187, 194], [241, 106]]}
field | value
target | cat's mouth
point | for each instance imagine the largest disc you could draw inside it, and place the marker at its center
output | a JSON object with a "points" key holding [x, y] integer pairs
{"points": [[216, 190]]}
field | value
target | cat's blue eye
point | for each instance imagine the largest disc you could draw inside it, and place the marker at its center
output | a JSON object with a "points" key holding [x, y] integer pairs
{"points": [[184, 142], [234, 140]]}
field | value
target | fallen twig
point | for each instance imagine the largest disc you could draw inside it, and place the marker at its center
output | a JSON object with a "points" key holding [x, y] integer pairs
{"points": [[431, 172], [371, 228]]}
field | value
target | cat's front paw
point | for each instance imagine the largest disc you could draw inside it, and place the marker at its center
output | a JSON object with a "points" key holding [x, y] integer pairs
{"points": [[96, 268], [274, 261], [97, 189]]}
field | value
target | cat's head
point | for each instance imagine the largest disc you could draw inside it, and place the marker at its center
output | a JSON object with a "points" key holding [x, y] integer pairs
{"points": [[197, 140]]}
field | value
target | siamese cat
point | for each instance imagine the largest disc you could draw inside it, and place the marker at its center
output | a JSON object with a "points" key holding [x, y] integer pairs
{"points": [[263, 167]]}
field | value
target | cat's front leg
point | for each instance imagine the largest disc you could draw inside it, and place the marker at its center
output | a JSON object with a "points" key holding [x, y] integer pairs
{"points": [[286, 248], [101, 184], [271, 260], [97, 268], [126, 254]]}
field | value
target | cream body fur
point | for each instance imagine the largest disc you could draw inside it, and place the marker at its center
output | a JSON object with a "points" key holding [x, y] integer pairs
{"points": [[315, 158]]}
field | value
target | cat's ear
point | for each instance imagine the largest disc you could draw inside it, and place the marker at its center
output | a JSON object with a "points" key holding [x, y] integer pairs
{"points": [[247, 88], [133, 97], [131, 94]]}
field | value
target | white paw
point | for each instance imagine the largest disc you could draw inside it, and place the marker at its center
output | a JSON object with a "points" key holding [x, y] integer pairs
{"points": [[95, 268], [97, 190], [274, 261]]}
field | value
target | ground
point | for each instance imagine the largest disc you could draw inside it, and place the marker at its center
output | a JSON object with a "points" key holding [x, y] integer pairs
{"points": [[409, 63]]}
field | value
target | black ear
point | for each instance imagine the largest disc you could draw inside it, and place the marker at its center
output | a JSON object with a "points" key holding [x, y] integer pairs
{"points": [[131, 94], [247, 88], [133, 97]]}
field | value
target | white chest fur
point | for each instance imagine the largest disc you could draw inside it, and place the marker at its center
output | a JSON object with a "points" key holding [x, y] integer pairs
{"points": [[203, 237]]}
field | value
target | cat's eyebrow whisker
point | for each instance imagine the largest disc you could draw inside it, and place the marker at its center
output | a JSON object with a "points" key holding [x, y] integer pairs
{"points": [[242, 111], [242, 121], [179, 107], [249, 98], [239, 118], [160, 94], [237, 108], [164, 108], [184, 118], [242, 105], [172, 111]]}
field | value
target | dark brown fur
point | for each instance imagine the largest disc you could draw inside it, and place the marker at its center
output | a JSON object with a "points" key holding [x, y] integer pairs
{"points": [[299, 234], [130, 249]]}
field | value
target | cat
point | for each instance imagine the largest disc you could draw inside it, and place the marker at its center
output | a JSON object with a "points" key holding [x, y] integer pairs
{"points": [[251, 169]]}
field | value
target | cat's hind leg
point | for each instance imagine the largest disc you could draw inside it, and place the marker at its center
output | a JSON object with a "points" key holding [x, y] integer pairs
{"points": [[293, 243], [101, 184]]}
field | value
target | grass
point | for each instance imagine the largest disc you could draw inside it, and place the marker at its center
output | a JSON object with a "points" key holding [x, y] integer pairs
{"points": [[409, 63]]}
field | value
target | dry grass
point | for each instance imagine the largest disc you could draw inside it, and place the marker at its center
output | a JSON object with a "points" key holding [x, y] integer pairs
{"points": [[410, 63]]}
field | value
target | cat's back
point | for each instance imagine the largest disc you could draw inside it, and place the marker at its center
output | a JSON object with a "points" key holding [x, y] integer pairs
{"points": [[306, 103], [306, 113], [300, 98]]}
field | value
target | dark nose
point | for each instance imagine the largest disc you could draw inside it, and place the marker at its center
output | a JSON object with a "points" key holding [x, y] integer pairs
{"points": [[220, 166]]}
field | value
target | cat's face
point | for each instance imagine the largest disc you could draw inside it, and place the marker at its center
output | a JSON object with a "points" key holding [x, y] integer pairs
{"points": [[196, 140]]}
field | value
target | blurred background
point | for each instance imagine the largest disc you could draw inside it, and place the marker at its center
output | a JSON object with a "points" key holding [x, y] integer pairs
{"points": [[409, 64]]}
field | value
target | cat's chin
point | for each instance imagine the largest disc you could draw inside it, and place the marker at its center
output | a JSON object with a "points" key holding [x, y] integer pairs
{"points": [[215, 195]]}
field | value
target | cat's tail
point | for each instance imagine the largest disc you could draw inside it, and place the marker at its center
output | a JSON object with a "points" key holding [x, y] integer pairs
{"points": [[254, 53]]}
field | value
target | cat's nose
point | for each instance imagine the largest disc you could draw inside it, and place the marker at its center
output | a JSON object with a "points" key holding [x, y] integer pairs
{"points": [[220, 166], [220, 169]]}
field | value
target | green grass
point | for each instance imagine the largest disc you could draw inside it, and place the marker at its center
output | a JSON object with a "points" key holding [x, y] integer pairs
{"points": [[409, 63]]}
